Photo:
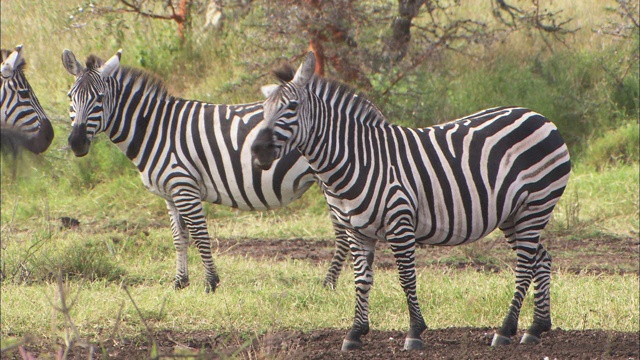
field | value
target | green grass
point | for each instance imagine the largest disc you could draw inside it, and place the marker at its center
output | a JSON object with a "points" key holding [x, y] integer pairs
{"points": [[288, 295], [606, 201]]}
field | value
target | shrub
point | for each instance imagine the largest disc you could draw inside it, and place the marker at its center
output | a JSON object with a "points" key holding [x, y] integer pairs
{"points": [[614, 147], [90, 261]]}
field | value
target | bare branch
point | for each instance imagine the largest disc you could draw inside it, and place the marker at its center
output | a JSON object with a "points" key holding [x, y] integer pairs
{"points": [[179, 14], [135, 8]]}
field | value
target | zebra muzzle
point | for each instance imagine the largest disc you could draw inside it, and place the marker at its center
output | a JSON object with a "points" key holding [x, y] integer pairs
{"points": [[263, 151], [78, 140]]}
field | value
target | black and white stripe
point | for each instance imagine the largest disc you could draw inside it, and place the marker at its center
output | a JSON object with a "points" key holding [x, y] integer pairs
{"points": [[23, 122], [186, 151], [444, 185]]}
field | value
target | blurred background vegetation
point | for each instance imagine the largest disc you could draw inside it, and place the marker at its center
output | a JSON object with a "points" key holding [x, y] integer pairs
{"points": [[422, 62]]}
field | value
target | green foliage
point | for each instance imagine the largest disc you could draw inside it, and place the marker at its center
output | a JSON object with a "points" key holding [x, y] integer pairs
{"points": [[103, 164], [570, 88], [615, 147]]}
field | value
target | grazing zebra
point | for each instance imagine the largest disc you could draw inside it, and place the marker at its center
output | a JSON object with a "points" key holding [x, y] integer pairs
{"points": [[23, 122], [186, 151], [449, 184]]}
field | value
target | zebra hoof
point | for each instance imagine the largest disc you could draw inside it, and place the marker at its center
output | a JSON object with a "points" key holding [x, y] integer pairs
{"points": [[413, 344], [179, 285], [499, 340], [329, 284], [350, 345], [210, 289], [529, 339]]}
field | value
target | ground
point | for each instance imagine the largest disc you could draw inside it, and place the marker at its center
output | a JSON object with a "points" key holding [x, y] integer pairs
{"points": [[599, 255], [453, 343]]}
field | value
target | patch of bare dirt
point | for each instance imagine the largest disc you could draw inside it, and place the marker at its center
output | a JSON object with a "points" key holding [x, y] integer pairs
{"points": [[452, 343]]}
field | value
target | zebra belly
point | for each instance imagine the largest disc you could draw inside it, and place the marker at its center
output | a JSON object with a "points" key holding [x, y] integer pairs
{"points": [[277, 187], [442, 229], [444, 237]]}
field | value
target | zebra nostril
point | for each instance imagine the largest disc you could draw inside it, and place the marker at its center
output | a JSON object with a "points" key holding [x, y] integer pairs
{"points": [[263, 151], [78, 140], [263, 154]]}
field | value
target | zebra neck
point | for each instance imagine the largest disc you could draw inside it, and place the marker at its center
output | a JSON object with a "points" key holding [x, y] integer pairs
{"points": [[142, 114], [344, 155]]}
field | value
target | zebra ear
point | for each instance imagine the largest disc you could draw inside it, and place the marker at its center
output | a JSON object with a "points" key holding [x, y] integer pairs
{"points": [[306, 70], [267, 90], [10, 63], [70, 63], [111, 66]]}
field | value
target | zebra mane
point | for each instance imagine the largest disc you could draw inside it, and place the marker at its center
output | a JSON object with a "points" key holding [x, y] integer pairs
{"points": [[128, 73], [320, 86], [369, 113], [21, 62]]}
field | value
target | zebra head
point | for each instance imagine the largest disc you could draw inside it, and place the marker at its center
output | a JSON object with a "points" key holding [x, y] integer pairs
{"points": [[92, 97], [24, 122], [281, 131]]}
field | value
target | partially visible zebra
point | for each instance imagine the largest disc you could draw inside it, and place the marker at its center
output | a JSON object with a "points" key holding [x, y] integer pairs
{"points": [[187, 152], [449, 184], [23, 122]]}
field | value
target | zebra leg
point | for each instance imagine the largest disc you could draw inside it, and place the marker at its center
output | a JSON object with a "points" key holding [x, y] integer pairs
{"points": [[190, 209], [524, 275], [362, 253], [541, 298], [510, 323], [339, 256], [181, 243], [523, 234], [403, 248]]}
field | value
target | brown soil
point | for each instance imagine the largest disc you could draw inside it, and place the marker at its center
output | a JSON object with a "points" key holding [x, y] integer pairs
{"points": [[603, 255], [452, 343]]}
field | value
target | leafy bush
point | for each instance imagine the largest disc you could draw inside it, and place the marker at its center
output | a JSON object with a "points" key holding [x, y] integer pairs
{"points": [[614, 147], [573, 89]]}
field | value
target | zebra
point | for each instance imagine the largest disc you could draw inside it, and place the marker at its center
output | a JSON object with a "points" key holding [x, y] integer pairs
{"points": [[23, 122], [449, 184], [186, 151]]}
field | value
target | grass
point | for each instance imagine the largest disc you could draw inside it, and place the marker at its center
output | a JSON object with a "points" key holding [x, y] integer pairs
{"points": [[286, 295], [605, 201]]}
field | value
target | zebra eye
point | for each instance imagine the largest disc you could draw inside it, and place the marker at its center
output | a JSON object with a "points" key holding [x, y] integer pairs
{"points": [[293, 106], [100, 97], [25, 94]]}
